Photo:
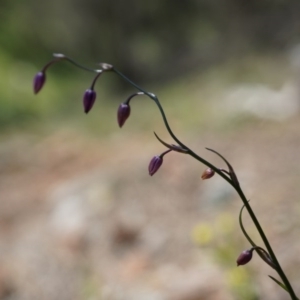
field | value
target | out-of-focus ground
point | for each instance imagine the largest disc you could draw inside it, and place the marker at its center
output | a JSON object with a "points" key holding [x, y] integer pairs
{"points": [[80, 218]]}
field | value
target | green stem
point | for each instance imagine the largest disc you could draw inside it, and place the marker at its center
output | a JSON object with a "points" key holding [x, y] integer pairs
{"points": [[189, 151], [62, 56], [229, 180], [267, 244]]}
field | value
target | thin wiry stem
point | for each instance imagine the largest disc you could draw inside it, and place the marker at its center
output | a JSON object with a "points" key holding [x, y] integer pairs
{"points": [[267, 244], [60, 56], [231, 179], [189, 151]]}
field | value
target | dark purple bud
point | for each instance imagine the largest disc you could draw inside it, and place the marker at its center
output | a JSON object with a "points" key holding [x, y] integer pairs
{"points": [[89, 98], [208, 173], [38, 81], [244, 257], [155, 164], [123, 113]]}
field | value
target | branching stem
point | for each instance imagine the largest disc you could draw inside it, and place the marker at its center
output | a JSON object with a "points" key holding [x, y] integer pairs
{"points": [[229, 175], [220, 172]]}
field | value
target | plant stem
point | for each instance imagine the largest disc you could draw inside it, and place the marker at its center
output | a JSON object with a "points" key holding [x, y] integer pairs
{"points": [[267, 244], [228, 179]]}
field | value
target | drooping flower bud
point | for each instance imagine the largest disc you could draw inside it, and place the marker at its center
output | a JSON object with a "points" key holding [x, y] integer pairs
{"points": [[208, 173], [155, 164], [39, 81], [89, 98], [123, 113], [244, 257]]}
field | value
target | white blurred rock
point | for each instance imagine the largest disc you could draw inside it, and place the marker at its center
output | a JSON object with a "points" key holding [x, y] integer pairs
{"points": [[75, 202], [263, 101]]}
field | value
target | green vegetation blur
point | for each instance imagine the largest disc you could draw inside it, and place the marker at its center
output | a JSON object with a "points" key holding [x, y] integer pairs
{"points": [[154, 42], [187, 52]]}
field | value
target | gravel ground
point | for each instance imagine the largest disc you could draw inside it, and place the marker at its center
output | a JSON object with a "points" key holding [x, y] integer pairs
{"points": [[80, 218]]}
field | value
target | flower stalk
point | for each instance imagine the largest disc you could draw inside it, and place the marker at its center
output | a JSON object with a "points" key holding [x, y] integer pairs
{"points": [[228, 175]]}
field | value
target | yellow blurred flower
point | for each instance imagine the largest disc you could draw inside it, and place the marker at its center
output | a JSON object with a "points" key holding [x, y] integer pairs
{"points": [[202, 234]]}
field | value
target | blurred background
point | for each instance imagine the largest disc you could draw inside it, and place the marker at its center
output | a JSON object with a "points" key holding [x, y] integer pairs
{"points": [[80, 218]]}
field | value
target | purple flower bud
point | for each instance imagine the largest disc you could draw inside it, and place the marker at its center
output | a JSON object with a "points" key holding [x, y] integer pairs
{"points": [[244, 257], [38, 81], [155, 164], [208, 173], [89, 98], [123, 113]]}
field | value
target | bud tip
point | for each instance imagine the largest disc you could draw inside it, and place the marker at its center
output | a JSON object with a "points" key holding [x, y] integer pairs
{"points": [[244, 257], [89, 98], [123, 113], [155, 164], [208, 173], [39, 81]]}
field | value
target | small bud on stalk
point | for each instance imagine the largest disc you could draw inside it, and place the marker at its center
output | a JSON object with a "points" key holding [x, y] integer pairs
{"points": [[40, 77], [89, 98], [156, 162], [208, 173], [244, 257], [39, 81], [123, 113]]}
